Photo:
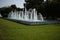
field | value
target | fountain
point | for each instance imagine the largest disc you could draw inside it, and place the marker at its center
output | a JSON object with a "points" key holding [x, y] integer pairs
{"points": [[0, 15], [26, 16]]}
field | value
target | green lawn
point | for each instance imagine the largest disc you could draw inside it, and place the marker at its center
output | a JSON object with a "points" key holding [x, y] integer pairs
{"points": [[14, 31]]}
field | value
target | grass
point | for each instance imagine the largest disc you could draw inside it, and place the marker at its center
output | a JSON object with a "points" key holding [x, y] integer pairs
{"points": [[14, 31]]}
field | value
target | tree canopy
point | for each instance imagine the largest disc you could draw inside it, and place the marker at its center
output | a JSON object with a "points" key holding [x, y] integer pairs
{"points": [[49, 8], [5, 10]]}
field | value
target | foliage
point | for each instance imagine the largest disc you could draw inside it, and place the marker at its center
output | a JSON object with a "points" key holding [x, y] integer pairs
{"points": [[50, 8], [53, 8], [5, 10]]}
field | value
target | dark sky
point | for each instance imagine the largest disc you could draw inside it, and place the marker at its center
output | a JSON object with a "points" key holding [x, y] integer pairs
{"points": [[18, 3]]}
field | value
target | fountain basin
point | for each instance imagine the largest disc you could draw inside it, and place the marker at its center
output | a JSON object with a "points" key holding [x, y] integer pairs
{"points": [[35, 22]]}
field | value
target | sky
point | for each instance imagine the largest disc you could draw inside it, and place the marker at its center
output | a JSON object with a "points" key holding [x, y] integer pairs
{"points": [[18, 3]]}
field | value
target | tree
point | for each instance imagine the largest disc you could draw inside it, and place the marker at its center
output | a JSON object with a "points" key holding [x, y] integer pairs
{"points": [[33, 3], [49, 8], [54, 8], [13, 6], [5, 10]]}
